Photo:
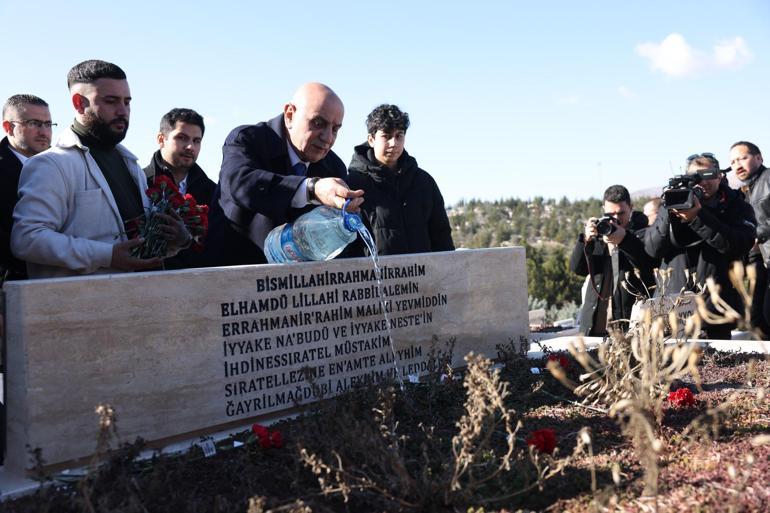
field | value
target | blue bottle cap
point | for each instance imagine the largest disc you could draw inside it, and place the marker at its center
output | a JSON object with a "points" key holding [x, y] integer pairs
{"points": [[352, 222]]}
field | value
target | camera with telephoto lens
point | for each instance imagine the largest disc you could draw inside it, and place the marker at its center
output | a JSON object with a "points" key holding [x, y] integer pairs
{"points": [[681, 192], [606, 225]]}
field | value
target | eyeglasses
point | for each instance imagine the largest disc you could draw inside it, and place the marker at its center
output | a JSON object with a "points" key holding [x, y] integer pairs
{"points": [[34, 123]]}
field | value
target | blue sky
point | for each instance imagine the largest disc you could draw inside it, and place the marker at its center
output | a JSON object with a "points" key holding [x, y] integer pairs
{"points": [[507, 99]]}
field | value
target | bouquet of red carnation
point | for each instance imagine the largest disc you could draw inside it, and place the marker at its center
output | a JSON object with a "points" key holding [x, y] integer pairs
{"points": [[166, 199]]}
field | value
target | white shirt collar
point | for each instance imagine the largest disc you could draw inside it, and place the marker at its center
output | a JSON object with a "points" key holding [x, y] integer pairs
{"points": [[22, 158], [183, 185]]}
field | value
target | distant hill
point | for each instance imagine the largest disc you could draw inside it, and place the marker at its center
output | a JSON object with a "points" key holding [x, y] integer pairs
{"points": [[547, 228], [646, 194]]}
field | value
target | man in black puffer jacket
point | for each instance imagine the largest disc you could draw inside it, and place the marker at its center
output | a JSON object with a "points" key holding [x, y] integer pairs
{"points": [[705, 239], [403, 204], [612, 254]]}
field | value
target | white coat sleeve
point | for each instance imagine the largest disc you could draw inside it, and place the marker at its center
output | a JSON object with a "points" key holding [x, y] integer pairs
{"points": [[44, 209]]}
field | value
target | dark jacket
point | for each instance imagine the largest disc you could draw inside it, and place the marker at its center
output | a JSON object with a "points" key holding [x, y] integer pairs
{"points": [[10, 170], [201, 188], [759, 198], [721, 234], [631, 256], [255, 189], [405, 210]]}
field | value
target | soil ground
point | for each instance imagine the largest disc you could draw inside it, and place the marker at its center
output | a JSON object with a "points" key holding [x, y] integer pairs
{"points": [[723, 465]]}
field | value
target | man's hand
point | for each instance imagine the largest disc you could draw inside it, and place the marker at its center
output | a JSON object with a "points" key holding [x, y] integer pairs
{"points": [[690, 214], [123, 261], [333, 192], [174, 231], [615, 237], [590, 232]]}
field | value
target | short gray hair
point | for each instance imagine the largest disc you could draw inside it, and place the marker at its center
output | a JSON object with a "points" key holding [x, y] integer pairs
{"points": [[18, 101]]}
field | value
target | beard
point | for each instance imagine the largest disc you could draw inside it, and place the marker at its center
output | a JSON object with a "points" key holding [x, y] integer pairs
{"points": [[103, 131]]}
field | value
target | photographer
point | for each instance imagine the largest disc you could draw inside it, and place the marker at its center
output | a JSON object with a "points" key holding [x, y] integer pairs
{"points": [[703, 235], [609, 251]]}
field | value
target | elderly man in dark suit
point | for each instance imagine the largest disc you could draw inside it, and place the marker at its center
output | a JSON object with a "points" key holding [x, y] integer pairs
{"points": [[273, 172], [27, 125]]}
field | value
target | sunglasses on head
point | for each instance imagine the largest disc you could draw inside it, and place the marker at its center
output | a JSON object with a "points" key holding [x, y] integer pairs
{"points": [[698, 155]]}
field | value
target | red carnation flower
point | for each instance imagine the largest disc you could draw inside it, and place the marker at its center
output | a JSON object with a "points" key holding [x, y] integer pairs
{"points": [[262, 434], [681, 398], [176, 200], [544, 440], [561, 359], [267, 438], [154, 194], [164, 182]]}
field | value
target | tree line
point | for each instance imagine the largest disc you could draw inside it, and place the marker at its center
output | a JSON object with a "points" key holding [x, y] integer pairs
{"points": [[547, 228]]}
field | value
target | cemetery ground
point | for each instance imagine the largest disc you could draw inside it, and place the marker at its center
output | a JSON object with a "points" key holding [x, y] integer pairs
{"points": [[477, 441]]}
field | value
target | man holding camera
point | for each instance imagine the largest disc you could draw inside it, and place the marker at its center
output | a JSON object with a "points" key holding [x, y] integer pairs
{"points": [[702, 227], [612, 254]]}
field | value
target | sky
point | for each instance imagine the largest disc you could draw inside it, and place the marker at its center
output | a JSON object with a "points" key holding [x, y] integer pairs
{"points": [[506, 98]]}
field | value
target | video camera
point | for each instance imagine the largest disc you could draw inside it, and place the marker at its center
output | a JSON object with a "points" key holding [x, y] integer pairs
{"points": [[681, 192], [606, 225]]}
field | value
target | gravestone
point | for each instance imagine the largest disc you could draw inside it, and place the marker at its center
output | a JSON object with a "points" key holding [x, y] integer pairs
{"points": [[683, 304], [185, 353]]}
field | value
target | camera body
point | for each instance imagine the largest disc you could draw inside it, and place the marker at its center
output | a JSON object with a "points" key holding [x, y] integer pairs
{"points": [[681, 192], [606, 225]]}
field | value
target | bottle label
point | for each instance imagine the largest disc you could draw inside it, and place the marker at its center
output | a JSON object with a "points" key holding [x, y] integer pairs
{"points": [[290, 249]]}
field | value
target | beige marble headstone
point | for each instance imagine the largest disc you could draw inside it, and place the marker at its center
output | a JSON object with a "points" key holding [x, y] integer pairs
{"points": [[190, 352]]}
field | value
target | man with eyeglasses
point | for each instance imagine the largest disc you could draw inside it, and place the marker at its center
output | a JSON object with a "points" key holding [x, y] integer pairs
{"points": [[27, 125], [747, 164], [704, 240], [77, 200], [611, 254]]}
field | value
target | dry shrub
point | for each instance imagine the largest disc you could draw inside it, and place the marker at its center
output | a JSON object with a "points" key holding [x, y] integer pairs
{"points": [[372, 460], [633, 372]]}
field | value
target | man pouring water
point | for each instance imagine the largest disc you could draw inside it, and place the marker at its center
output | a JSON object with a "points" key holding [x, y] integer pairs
{"points": [[274, 171]]}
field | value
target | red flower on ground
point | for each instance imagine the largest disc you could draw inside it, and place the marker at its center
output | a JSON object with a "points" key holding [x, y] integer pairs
{"points": [[262, 434], [267, 438], [544, 440], [681, 398], [561, 359]]}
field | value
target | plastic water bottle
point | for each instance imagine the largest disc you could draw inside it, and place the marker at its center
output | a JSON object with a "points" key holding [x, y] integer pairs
{"points": [[320, 234]]}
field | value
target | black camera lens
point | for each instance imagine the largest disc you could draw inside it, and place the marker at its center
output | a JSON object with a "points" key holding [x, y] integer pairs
{"points": [[605, 227]]}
